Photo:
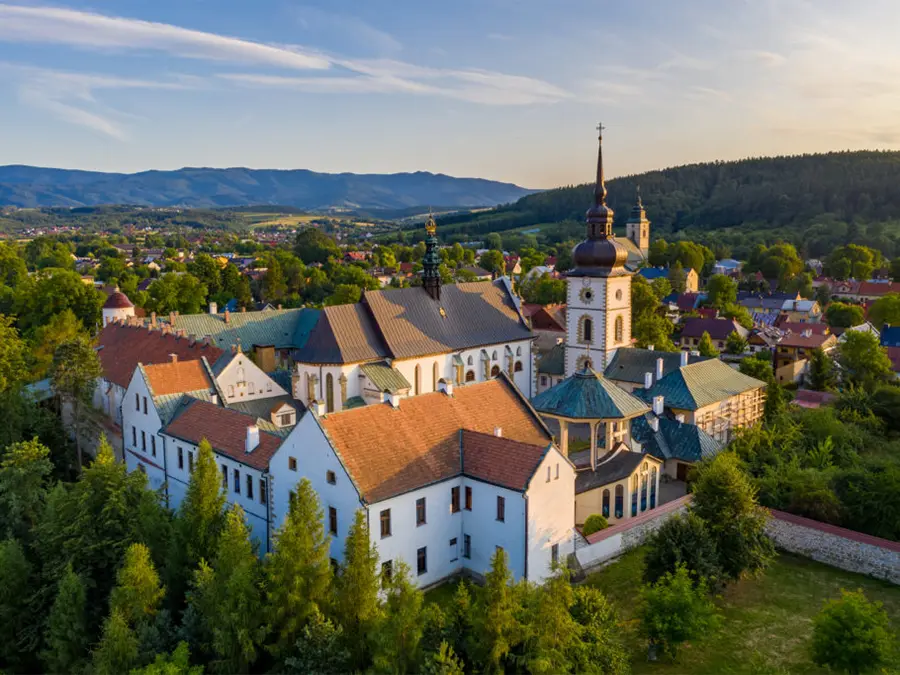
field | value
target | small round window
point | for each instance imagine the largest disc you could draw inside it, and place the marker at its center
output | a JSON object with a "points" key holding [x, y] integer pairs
{"points": [[619, 294], [587, 295]]}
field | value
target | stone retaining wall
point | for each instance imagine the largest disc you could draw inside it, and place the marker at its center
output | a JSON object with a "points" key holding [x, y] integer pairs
{"points": [[836, 546]]}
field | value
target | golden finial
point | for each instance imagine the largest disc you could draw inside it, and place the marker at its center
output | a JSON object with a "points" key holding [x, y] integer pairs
{"points": [[430, 225]]}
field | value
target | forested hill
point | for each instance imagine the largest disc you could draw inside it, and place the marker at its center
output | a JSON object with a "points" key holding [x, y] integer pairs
{"points": [[773, 192], [28, 186]]}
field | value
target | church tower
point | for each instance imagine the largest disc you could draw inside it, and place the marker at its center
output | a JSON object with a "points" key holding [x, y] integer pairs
{"points": [[431, 263], [598, 315], [637, 229]]}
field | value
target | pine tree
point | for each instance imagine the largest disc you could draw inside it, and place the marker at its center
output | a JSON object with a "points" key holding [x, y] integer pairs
{"points": [[460, 627], [176, 663], [24, 473], [118, 649], [298, 574], [399, 630], [706, 346], [498, 629], [228, 599], [356, 596], [552, 631], [198, 525], [67, 636], [138, 592], [443, 662], [320, 649], [75, 371], [14, 573]]}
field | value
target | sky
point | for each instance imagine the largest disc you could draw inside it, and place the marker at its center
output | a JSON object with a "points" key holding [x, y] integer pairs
{"points": [[510, 90]]}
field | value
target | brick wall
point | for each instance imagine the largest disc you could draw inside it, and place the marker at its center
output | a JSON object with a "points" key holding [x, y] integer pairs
{"points": [[836, 546]]}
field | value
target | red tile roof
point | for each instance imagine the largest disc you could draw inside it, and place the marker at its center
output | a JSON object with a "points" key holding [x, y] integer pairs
{"points": [[807, 398], [226, 431], [796, 327], [390, 451], [872, 288], [117, 300], [807, 341], [177, 377], [123, 347], [501, 461]]}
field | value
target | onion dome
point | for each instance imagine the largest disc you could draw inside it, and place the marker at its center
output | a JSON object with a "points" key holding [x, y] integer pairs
{"points": [[599, 253], [117, 300]]}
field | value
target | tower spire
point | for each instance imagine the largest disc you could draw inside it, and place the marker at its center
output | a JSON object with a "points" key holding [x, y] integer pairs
{"points": [[600, 186], [431, 263], [599, 216]]}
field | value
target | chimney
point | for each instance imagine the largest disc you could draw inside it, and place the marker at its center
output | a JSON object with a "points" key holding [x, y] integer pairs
{"points": [[243, 309], [807, 332], [153, 319], [498, 432], [192, 339], [648, 380], [659, 405], [213, 308], [214, 399], [679, 418], [650, 348], [654, 423], [659, 368], [395, 400], [173, 358], [320, 408], [227, 315], [171, 318], [279, 306], [446, 387], [252, 438], [684, 359]]}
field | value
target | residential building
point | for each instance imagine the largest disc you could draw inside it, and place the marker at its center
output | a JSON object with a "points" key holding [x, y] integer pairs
{"points": [[677, 444], [630, 367], [693, 328], [691, 278], [728, 266], [548, 323], [551, 368], [802, 311], [793, 351]]}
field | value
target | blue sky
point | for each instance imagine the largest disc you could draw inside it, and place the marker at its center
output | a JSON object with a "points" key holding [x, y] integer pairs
{"points": [[503, 89]]}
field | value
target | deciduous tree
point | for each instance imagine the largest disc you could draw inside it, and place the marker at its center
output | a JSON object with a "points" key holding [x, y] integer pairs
{"points": [[852, 634], [864, 362], [675, 610]]}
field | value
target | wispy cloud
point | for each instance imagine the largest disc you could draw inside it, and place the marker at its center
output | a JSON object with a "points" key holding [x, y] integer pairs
{"points": [[347, 27]]}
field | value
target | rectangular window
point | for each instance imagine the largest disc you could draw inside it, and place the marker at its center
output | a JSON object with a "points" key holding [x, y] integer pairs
{"points": [[237, 481], [548, 473], [387, 571], [181, 458], [468, 498], [224, 476], [467, 546], [143, 440], [420, 511], [332, 520], [385, 523], [286, 420], [134, 436], [153, 445], [137, 402], [262, 491], [330, 477], [501, 509], [554, 554], [190, 461], [249, 486], [422, 560], [145, 405], [292, 463], [454, 552], [557, 471], [454, 500]]}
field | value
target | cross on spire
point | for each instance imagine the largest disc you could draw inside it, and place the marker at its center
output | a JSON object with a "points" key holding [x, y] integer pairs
{"points": [[600, 129]]}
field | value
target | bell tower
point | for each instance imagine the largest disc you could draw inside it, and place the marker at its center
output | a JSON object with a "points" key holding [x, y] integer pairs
{"points": [[598, 295], [637, 229]]}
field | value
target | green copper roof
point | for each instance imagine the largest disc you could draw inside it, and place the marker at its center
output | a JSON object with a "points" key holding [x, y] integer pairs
{"points": [[283, 329], [588, 395], [700, 384], [674, 440], [384, 377], [354, 402], [168, 404], [553, 362]]}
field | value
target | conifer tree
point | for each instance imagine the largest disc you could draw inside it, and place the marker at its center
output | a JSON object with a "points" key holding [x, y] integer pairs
{"points": [[14, 573], [176, 663], [298, 573], [443, 662], [24, 473], [75, 370], [320, 649], [138, 592], [228, 598], [356, 596], [399, 629], [499, 630], [552, 631], [67, 636], [118, 649], [706, 346], [460, 628], [198, 524], [598, 647]]}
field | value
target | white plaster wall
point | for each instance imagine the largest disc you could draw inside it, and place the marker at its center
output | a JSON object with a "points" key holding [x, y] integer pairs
{"points": [[135, 423], [551, 514], [578, 308], [315, 457], [110, 315], [487, 532], [107, 398], [231, 384]]}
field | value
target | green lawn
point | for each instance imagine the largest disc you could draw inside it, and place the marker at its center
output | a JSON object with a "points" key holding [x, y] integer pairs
{"points": [[767, 622]]}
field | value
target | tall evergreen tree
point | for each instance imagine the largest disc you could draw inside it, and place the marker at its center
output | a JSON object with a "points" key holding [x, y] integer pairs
{"points": [[498, 629], [356, 590], [298, 574], [67, 634], [138, 592], [118, 649], [399, 630], [74, 372], [228, 598], [552, 631], [14, 577], [320, 649], [706, 346], [24, 473]]}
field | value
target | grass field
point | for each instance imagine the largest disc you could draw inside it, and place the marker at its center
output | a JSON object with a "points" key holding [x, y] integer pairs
{"points": [[766, 623], [278, 220]]}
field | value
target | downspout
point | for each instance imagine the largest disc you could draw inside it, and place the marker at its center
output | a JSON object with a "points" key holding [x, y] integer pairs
{"points": [[525, 497], [165, 465]]}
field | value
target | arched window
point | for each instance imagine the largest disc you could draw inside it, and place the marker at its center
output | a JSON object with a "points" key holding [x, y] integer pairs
{"points": [[230, 391], [643, 491], [469, 361], [251, 388], [606, 503], [434, 376], [653, 488], [620, 501], [518, 367], [240, 375], [583, 362], [494, 356], [634, 495], [418, 380], [619, 328], [586, 334], [495, 371], [329, 393], [518, 351], [470, 376]]}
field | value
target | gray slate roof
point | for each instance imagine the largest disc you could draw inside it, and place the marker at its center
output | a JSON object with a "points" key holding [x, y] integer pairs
{"points": [[619, 467], [673, 439], [629, 365], [554, 361], [700, 384], [588, 395], [343, 334]]}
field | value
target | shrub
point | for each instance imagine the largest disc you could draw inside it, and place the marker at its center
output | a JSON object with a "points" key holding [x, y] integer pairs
{"points": [[851, 634], [683, 540], [594, 523]]}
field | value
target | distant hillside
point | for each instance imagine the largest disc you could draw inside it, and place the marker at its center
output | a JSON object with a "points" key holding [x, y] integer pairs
{"points": [[789, 193], [27, 186]]}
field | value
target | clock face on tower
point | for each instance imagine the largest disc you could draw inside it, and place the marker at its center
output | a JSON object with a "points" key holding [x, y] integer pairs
{"points": [[586, 295]]}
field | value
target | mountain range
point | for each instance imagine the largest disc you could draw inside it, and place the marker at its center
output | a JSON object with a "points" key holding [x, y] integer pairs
{"points": [[29, 187]]}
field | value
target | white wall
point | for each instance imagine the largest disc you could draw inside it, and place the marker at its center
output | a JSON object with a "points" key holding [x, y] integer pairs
{"points": [[551, 514], [140, 431], [243, 380], [107, 398], [603, 308], [487, 532]]}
